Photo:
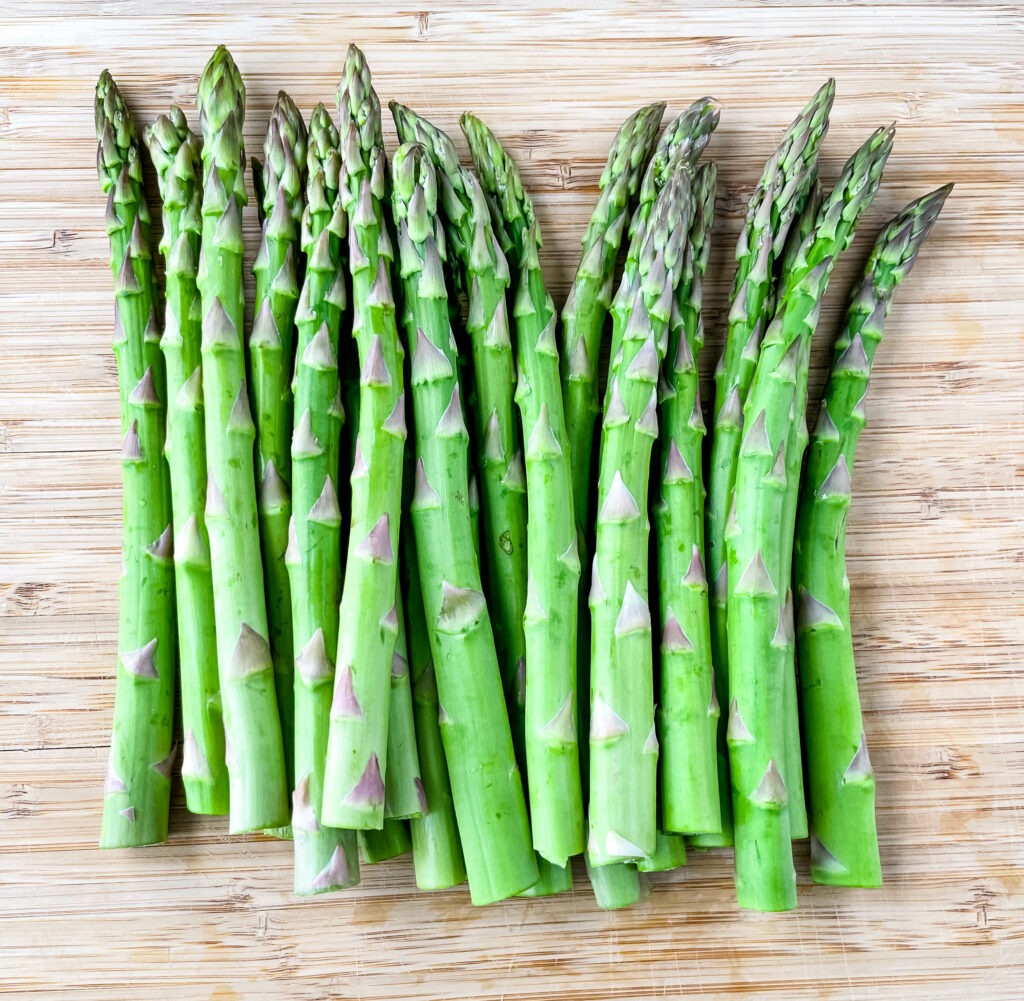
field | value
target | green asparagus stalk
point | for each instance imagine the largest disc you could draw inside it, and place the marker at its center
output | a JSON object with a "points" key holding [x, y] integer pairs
{"points": [[255, 750], [436, 849], [354, 789], [278, 273], [136, 793], [765, 879], [669, 853], [483, 271], [403, 785], [553, 567], [583, 325], [689, 706], [793, 771], [683, 142], [486, 787], [623, 742], [391, 841], [325, 858], [841, 783], [619, 885], [175, 153], [783, 188]]}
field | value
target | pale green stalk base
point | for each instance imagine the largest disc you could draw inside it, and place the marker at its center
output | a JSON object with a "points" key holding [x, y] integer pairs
{"points": [[391, 841], [669, 853]]}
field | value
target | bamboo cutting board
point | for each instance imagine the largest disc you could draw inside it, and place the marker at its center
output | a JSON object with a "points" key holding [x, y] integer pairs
{"points": [[936, 552]]}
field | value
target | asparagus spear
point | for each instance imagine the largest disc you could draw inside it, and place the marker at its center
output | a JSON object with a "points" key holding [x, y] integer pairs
{"points": [[175, 153], [623, 743], [483, 271], [793, 771], [255, 750], [436, 850], [403, 786], [357, 746], [325, 858], [785, 182], [278, 273], [136, 794], [486, 788], [391, 841], [689, 707], [765, 879], [844, 845], [583, 318], [553, 567]]}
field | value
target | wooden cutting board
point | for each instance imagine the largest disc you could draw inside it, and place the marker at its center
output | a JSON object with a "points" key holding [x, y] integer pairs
{"points": [[936, 552]]}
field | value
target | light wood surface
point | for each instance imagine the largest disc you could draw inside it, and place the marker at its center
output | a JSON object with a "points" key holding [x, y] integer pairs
{"points": [[936, 551]]}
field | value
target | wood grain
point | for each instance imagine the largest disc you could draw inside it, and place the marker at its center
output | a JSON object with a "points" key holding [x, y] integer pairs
{"points": [[936, 551]]}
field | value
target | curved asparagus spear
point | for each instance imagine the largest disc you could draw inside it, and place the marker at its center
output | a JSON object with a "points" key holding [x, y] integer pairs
{"points": [[785, 182], [683, 142], [278, 273], [485, 782], [175, 153], [255, 750], [436, 849], [623, 744], [765, 879], [357, 747], [136, 794], [325, 858], [689, 708], [841, 783], [586, 308], [793, 770], [483, 271], [549, 620]]}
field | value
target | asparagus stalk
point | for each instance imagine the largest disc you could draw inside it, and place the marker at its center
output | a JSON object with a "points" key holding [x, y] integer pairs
{"points": [[436, 850], [793, 771], [486, 787], [583, 319], [136, 793], [175, 153], [404, 795], [623, 743], [783, 188], [689, 707], [765, 879], [357, 747], [255, 750], [278, 273], [325, 858], [553, 567], [844, 844], [391, 841], [483, 271]]}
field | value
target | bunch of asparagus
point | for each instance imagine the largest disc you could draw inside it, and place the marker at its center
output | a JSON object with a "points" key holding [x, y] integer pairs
{"points": [[359, 528]]}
